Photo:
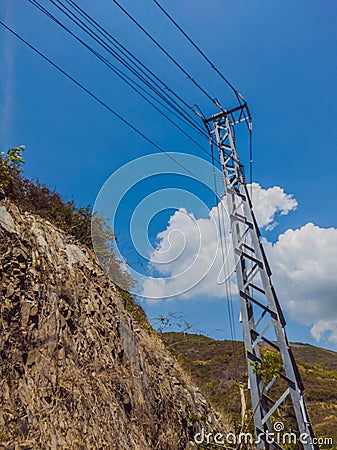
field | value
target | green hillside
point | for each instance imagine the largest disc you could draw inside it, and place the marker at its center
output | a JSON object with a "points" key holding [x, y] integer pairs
{"points": [[216, 366]]}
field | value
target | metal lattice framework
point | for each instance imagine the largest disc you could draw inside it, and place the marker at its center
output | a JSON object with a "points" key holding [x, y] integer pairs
{"points": [[261, 315]]}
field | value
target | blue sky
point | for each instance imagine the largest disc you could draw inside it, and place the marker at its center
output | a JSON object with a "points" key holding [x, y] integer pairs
{"points": [[280, 55]]}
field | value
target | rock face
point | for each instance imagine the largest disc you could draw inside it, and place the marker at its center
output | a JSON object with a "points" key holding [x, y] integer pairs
{"points": [[77, 371]]}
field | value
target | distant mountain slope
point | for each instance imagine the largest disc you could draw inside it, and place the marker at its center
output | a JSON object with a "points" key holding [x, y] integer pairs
{"points": [[215, 365]]}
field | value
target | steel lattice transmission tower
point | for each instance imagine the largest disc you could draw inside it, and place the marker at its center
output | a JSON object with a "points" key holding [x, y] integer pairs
{"points": [[261, 315]]}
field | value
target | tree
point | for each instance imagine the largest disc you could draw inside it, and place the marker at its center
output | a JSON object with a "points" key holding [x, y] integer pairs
{"points": [[10, 164]]}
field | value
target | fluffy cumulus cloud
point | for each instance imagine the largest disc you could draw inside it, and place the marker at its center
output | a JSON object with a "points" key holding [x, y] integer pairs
{"points": [[189, 254], [188, 262], [188, 258], [304, 263], [268, 203], [325, 330]]}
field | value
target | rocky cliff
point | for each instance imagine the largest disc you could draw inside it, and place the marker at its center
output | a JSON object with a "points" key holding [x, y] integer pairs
{"points": [[77, 370]]}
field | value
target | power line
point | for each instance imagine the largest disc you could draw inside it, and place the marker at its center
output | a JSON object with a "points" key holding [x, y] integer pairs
{"points": [[83, 26], [125, 62], [127, 57], [224, 260], [119, 73], [168, 54], [251, 158], [126, 53], [236, 92], [101, 102]]}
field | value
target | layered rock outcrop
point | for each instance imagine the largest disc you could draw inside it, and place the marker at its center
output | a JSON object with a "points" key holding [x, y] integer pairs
{"points": [[77, 370]]}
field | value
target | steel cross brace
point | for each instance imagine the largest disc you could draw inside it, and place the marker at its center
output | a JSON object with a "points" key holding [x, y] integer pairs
{"points": [[258, 300]]}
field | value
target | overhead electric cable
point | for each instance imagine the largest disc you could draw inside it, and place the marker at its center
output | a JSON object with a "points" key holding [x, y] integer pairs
{"points": [[224, 253], [251, 158], [185, 116], [135, 71], [119, 73], [101, 102], [236, 92], [168, 54], [127, 58], [225, 79]]}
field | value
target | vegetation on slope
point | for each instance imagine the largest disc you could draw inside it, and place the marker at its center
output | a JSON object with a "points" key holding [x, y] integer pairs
{"points": [[218, 367], [36, 198]]}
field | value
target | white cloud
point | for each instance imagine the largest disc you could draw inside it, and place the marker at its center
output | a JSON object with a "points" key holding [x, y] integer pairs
{"points": [[303, 261], [268, 203], [325, 330], [189, 255], [188, 251]]}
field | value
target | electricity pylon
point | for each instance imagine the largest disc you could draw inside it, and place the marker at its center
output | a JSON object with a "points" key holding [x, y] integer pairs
{"points": [[261, 314]]}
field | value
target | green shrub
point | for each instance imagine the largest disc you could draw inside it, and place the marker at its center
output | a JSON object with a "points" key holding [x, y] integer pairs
{"points": [[10, 164], [36, 198]]}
